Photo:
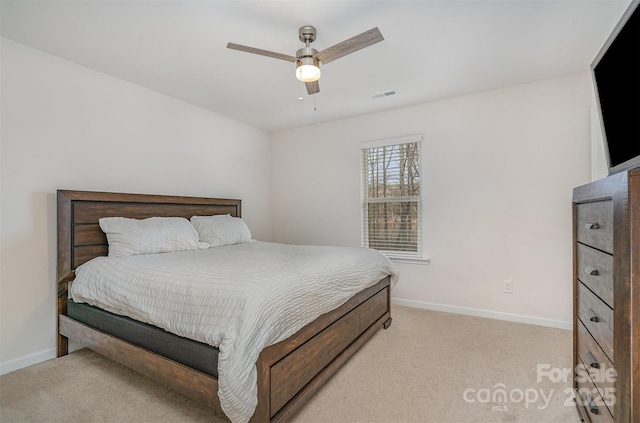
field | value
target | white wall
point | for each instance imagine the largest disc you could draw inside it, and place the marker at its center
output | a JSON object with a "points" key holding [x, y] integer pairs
{"points": [[499, 168], [68, 127], [599, 166]]}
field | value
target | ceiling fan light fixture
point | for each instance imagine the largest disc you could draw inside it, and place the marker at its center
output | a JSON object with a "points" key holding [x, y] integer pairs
{"points": [[308, 69]]}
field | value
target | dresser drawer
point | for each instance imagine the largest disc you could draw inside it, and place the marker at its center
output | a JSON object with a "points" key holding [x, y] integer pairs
{"points": [[597, 317], [595, 270], [592, 402], [598, 367], [594, 223]]}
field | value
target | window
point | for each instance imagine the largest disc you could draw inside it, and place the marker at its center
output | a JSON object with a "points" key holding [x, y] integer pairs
{"points": [[392, 196]]}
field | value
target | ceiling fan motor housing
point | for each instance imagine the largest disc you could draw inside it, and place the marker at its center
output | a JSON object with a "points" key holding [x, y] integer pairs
{"points": [[306, 52]]}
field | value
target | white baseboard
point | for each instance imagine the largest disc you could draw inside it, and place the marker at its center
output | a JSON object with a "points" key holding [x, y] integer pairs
{"points": [[558, 324], [27, 361]]}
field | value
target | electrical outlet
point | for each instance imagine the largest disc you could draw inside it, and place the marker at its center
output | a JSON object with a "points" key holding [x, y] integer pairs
{"points": [[507, 287]]}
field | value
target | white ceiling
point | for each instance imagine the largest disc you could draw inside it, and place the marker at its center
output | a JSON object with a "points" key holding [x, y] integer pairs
{"points": [[432, 49]]}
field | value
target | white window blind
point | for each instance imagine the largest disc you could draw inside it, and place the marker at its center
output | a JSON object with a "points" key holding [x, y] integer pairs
{"points": [[392, 196]]}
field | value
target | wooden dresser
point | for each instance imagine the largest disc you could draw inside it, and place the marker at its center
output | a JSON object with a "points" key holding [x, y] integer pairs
{"points": [[606, 269]]}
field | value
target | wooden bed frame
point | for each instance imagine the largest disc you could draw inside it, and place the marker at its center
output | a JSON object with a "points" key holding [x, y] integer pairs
{"points": [[289, 372]]}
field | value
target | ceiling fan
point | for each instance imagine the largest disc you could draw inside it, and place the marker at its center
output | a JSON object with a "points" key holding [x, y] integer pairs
{"points": [[308, 59]]}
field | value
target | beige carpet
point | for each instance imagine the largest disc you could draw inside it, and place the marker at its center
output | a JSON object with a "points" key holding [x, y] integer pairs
{"points": [[427, 367]]}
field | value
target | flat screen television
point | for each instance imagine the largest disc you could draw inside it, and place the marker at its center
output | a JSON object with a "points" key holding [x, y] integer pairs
{"points": [[616, 77]]}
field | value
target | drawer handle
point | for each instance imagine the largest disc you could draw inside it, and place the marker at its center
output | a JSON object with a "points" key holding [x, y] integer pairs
{"points": [[594, 318], [590, 270], [592, 360], [592, 225]]}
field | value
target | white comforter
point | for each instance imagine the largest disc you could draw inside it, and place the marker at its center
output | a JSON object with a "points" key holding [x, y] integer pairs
{"points": [[240, 298]]}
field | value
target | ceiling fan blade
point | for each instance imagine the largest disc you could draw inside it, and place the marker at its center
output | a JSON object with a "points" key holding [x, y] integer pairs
{"points": [[312, 87], [262, 52], [356, 43]]}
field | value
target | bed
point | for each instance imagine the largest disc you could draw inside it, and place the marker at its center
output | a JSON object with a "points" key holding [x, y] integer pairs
{"points": [[288, 372]]}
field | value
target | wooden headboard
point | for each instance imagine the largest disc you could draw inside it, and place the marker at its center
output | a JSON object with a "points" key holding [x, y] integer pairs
{"points": [[80, 238], [79, 235]]}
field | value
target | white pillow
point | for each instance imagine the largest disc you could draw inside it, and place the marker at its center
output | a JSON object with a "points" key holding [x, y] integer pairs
{"points": [[128, 237], [221, 230]]}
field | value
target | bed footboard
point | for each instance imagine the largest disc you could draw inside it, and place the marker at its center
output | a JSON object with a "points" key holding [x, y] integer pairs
{"points": [[293, 370]]}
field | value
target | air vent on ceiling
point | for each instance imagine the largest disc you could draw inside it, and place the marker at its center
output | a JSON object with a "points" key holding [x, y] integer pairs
{"points": [[384, 94]]}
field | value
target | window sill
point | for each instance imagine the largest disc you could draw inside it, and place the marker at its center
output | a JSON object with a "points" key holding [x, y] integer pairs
{"points": [[409, 260]]}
